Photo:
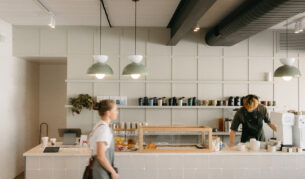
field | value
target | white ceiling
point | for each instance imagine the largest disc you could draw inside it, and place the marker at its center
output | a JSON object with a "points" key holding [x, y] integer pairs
{"points": [[86, 12], [153, 13]]}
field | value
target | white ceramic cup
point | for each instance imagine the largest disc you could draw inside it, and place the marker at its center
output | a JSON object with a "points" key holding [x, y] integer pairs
{"points": [[53, 141], [44, 141], [271, 148]]}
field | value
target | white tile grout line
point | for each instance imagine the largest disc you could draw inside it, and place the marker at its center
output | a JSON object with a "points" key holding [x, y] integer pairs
{"points": [[248, 63], [172, 85], [197, 61]]}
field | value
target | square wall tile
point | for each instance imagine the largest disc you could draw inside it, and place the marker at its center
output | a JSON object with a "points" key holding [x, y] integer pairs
{"points": [[261, 44], [235, 69], [84, 120], [209, 117], [187, 46], [159, 90], [133, 91], [32, 163], [258, 68], [286, 94], [186, 90], [74, 89], [169, 162], [264, 91], [132, 115], [210, 68], [185, 68], [184, 117], [240, 49], [106, 89], [80, 40], [157, 42], [46, 162], [128, 44], [158, 117], [78, 65], [159, 67], [205, 50], [210, 91], [33, 174], [110, 41], [46, 173], [235, 90]]}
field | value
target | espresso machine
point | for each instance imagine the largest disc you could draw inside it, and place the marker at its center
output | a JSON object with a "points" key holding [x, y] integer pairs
{"points": [[299, 131], [284, 123]]}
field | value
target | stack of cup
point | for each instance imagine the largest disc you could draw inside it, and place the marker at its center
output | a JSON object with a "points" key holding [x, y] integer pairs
{"points": [[45, 141]]}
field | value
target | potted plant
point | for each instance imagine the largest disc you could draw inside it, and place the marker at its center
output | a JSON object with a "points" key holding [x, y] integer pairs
{"points": [[80, 102]]}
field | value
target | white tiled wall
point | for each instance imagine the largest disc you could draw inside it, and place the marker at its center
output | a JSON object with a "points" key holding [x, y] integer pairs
{"points": [[190, 60], [194, 166], [56, 167]]}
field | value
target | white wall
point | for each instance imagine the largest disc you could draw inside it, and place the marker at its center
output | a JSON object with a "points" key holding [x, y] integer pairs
{"points": [[19, 106], [52, 96], [190, 61]]}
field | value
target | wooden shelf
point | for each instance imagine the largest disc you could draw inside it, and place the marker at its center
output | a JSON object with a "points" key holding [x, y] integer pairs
{"points": [[179, 107], [189, 133], [170, 81]]}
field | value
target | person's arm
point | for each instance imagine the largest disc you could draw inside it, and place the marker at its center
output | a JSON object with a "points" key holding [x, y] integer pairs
{"points": [[234, 127], [272, 126], [267, 120], [232, 138], [101, 156]]}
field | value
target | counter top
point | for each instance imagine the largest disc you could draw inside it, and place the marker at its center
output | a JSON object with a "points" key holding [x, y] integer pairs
{"points": [[85, 151], [38, 151], [223, 152]]}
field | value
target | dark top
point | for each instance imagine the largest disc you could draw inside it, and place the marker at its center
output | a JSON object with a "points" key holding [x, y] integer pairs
{"points": [[252, 123]]}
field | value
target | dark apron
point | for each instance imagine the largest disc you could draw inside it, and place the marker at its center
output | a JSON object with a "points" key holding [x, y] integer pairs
{"points": [[98, 171], [252, 127]]}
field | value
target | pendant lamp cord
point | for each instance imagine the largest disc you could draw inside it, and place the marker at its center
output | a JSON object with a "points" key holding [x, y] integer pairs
{"points": [[100, 28], [287, 38], [135, 28]]}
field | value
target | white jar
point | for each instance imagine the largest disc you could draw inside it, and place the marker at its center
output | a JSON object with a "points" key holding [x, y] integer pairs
{"points": [[45, 141]]}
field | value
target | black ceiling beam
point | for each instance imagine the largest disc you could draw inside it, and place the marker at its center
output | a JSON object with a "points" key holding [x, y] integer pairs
{"points": [[252, 17], [186, 17], [106, 13]]}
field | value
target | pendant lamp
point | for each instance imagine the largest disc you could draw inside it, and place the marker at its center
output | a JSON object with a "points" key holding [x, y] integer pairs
{"points": [[287, 71], [135, 69], [100, 69]]}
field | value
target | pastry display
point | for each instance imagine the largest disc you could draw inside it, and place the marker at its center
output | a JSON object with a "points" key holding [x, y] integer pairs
{"points": [[151, 146]]}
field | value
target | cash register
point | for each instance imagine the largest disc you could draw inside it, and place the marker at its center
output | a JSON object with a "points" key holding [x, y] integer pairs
{"points": [[69, 137]]}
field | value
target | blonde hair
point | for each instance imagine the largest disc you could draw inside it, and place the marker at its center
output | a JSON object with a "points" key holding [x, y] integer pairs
{"points": [[250, 102]]}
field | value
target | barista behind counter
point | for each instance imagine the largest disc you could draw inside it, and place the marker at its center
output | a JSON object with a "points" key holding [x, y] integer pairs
{"points": [[251, 116]]}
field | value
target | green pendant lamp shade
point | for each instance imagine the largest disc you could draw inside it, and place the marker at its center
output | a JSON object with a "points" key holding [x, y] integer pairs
{"points": [[135, 69], [100, 69], [287, 71]]}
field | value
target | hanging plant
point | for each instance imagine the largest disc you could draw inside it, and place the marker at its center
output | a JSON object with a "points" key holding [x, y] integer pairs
{"points": [[80, 102]]}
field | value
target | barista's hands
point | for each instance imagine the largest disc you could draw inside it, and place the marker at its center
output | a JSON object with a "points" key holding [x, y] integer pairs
{"points": [[272, 126]]}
